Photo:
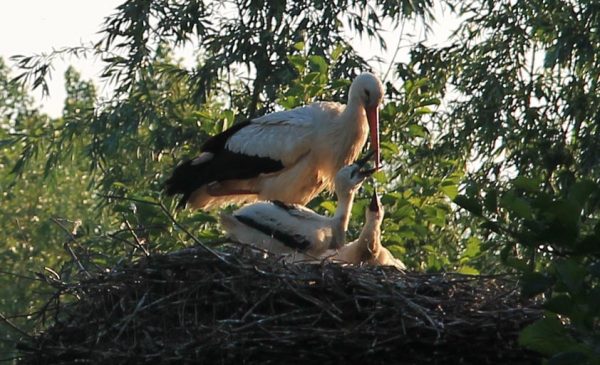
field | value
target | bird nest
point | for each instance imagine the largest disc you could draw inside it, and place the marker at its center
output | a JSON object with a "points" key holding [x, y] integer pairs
{"points": [[236, 307]]}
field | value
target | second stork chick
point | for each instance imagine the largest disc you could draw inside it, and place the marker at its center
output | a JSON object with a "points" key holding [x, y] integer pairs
{"points": [[367, 249]]}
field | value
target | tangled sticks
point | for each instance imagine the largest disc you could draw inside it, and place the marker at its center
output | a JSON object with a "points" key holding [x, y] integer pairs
{"points": [[241, 308]]}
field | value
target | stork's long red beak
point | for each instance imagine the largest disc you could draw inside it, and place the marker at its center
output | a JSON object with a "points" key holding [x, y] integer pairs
{"points": [[373, 119]]}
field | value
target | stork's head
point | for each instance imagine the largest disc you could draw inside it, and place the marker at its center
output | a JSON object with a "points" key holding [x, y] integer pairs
{"points": [[349, 178], [367, 90]]}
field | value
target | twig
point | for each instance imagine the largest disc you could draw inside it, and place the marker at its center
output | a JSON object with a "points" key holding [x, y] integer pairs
{"points": [[395, 53], [173, 220], [68, 248], [194, 238], [19, 275], [119, 197], [131, 316], [135, 237], [13, 326], [11, 359]]}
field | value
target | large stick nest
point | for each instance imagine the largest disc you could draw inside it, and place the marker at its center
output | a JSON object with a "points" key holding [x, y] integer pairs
{"points": [[237, 308]]}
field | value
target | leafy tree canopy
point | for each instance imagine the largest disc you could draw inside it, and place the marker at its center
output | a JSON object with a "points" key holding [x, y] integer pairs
{"points": [[490, 142]]}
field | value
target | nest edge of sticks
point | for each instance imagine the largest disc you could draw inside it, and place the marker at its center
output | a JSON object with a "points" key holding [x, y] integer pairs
{"points": [[236, 306]]}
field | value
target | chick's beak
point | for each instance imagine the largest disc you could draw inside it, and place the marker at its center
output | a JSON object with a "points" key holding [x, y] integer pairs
{"points": [[364, 171], [362, 161], [374, 205]]}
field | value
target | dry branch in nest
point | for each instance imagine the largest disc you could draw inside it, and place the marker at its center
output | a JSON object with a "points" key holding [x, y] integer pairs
{"points": [[236, 308]]}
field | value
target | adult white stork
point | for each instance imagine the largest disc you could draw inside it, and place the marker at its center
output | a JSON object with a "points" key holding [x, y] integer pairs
{"points": [[367, 249], [288, 156], [282, 228]]}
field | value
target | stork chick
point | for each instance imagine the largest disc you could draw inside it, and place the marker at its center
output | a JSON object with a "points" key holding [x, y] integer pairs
{"points": [[367, 249], [282, 228]]}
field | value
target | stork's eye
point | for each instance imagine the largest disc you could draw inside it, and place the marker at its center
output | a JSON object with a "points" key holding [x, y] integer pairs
{"points": [[368, 94]]}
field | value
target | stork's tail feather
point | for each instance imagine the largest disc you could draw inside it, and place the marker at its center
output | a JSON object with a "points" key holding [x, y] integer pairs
{"points": [[186, 178]]}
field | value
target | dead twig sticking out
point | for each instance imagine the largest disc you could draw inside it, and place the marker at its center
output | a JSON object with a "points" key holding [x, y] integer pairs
{"points": [[168, 214], [9, 323], [67, 246], [139, 243]]}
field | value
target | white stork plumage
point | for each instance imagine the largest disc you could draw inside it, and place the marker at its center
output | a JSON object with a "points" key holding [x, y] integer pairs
{"points": [[282, 228], [288, 156], [367, 249]]}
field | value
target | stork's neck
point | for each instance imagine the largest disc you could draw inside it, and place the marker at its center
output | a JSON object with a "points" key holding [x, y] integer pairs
{"points": [[341, 218], [350, 130], [360, 250], [370, 236], [354, 112]]}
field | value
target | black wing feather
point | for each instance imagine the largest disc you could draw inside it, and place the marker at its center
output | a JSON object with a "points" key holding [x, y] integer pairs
{"points": [[217, 142], [295, 241], [284, 206], [225, 165]]}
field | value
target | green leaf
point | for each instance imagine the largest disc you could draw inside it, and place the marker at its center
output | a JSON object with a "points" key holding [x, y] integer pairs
{"points": [[492, 226], [468, 270], [200, 217], [429, 101], [560, 304], [528, 184], [390, 198], [123, 207], [397, 250], [423, 111], [587, 245], [571, 274], [469, 204], [449, 188], [416, 130], [208, 235], [535, 283], [547, 336], [299, 46], [473, 247], [490, 201], [228, 119], [568, 358], [288, 102], [298, 61], [340, 84], [580, 192], [7, 142], [337, 51], [592, 299], [594, 269], [390, 146], [551, 57], [434, 215], [320, 63], [311, 77], [119, 185], [380, 176], [329, 206], [516, 205]]}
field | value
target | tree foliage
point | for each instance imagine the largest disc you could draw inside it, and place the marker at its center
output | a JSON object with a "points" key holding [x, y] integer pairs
{"points": [[490, 142]]}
